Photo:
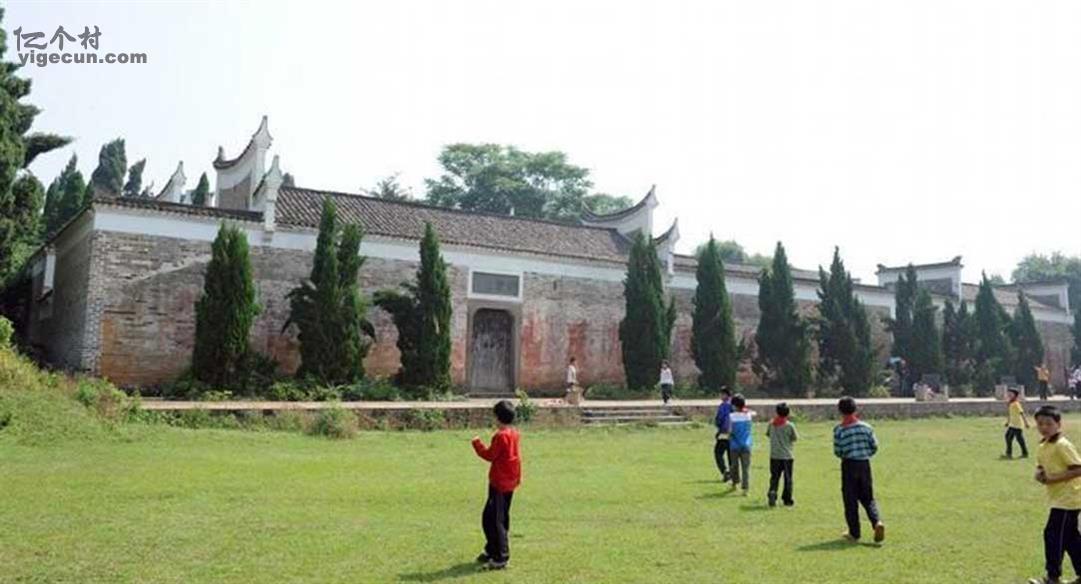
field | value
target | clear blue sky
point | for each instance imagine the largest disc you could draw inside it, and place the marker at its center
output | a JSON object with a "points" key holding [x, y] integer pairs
{"points": [[901, 131]]}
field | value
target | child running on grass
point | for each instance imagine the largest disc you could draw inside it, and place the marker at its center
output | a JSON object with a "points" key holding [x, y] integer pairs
{"points": [[1016, 424], [741, 442], [504, 476], [782, 436], [1059, 468], [723, 421], [855, 444]]}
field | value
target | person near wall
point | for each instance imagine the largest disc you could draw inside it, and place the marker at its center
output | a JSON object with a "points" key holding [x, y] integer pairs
{"points": [[574, 393], [1043, 377], [1075, 378], [667, 382]]}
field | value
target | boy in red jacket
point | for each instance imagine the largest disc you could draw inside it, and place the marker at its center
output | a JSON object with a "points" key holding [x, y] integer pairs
{"points": [[504, 476]]}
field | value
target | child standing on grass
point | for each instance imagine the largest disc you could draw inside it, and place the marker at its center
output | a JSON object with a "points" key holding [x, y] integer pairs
{"points": [[504, 476], [855, 444], [782, 436], [741, 441], [1016, 424], [1059, 468], [723, 421]]}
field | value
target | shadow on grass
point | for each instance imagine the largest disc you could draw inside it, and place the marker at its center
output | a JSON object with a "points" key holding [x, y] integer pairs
{"points": [[724, 494], [835, 545], [457, 571], [754, 507]]}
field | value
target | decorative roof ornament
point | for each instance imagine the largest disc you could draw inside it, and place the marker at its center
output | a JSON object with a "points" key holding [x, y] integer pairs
{"points": [[173, 192]]}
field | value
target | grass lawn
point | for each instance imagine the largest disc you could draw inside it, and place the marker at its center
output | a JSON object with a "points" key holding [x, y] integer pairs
{"points": [[597, 505]]}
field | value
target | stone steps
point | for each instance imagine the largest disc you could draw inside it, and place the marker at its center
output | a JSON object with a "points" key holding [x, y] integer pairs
{"points": [[646, 415]]}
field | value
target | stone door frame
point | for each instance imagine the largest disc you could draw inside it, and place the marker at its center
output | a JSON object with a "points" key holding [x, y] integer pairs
{"points": [[514, 309]]}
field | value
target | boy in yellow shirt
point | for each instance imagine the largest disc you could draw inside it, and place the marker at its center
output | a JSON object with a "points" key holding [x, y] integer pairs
{"points": [[1016, 424], [1060, 470]]}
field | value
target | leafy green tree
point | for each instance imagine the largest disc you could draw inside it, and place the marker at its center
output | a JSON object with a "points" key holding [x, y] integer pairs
{"points": [[65, 197], [508, 181], [993, 348], [732, 252], [421, 312], [201, 194], [603, 204], [390, 189], [20, 193], [108, 178], [225, 312], [329, 310], [843, 331], [288, 180], [645, 329], [926, 348], [1057, 266], [1028, 346], [958, 340], [713, 331], [134, 186], [782, 359]]}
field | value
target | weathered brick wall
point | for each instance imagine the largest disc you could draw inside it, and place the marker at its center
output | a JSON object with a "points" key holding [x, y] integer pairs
{"points": [[1057, 340], [147, 287], [564, 317], [61, 332]]}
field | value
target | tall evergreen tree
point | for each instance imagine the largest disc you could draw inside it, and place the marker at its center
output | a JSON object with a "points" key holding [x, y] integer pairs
{"points": [[225, 313], [433, 298], [20, 194], [957, 343], [108, 178], [134, 187], [926, 348], [900, 326], [713, 333], [328, 308], [843, 332], [422, 313], [993, 349], [201, 194], [1075, 353], [782, 358], [65, 196], [1028, 346], [645, 327]]}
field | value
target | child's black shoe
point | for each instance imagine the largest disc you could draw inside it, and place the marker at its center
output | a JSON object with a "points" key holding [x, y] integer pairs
{"points": [[493, 565], [482, 558]]}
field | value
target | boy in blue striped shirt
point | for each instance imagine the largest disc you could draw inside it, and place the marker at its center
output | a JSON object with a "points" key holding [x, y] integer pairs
{"points": [[740, 443], [855, 444]]}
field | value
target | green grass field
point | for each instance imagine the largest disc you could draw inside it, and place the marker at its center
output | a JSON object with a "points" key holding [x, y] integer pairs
{"points": [[596, 505]]}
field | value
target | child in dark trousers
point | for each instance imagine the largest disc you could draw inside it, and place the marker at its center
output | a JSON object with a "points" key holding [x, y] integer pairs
{"points": [[855, 444], [782, 436], [1060, 471], [723, 421], [504, 476]]}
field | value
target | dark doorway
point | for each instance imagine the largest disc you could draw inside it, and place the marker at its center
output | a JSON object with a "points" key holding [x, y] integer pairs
{"points": [[491, 355]]}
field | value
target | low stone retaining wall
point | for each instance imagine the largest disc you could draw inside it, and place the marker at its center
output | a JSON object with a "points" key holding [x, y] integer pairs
{"points": [[553, 413]]}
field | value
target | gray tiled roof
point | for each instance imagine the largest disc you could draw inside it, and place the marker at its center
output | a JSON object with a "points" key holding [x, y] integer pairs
{"points": [[297, 207]]}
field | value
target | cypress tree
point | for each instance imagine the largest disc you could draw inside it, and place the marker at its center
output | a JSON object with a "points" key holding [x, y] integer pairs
{"points": [[225, 312], [328, 309], [926, 348], [957, 343], [782, 358], [422, 313], [645, 325], [20, 196], [65, 196], [108, 178], [713, 336], [433, 298], [1075, 353], [993, 348], [1028, 346], [843, 332], [134, 186], [201, 194], [900, 326]]}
